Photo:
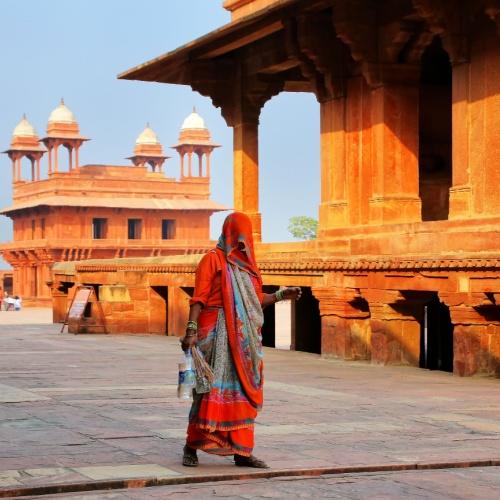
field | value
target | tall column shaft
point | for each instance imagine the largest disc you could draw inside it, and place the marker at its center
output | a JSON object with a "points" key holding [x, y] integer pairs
{"points": [[334, 206], [394, 116], [246, 171], [476, 121]]}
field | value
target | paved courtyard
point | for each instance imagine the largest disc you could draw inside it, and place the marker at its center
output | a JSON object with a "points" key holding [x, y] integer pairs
{"points": [[93, 409]]}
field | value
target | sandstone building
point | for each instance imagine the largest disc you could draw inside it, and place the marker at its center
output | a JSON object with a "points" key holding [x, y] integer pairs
{"points": [[406, 267], [102, 211]]}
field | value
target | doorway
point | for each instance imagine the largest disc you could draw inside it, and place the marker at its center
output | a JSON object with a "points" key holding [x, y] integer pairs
{"points": [[436, 339], [307, 336]]}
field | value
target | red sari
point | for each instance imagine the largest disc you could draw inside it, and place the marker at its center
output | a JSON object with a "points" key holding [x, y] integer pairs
{"points": [[229, 286]]}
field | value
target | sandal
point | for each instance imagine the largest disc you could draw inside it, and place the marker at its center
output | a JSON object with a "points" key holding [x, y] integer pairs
{"points": [[189, 457], [251, 461]]}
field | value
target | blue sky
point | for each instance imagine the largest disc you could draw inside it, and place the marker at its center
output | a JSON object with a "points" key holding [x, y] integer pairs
{"points": [[55, 48]]}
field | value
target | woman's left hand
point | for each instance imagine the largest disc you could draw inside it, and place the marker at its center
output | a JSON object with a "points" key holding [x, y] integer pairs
{"points": [[292, 293]]}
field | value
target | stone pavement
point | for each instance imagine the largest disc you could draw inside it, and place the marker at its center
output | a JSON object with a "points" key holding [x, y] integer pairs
{"points": [[89, 408], [467, 484]]}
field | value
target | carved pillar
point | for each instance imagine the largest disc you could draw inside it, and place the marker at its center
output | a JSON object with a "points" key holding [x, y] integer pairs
{"points": [[345, 328], [395, 328], [246, 168], [476, 121], [395, 127], [476, 333], [334, 206]]}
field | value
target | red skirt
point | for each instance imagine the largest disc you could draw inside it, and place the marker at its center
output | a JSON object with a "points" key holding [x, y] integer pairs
{"points": [[221, 421]]}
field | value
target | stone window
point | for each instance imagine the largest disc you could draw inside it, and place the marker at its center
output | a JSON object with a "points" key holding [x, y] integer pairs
{"points": [[167, 229], [134, 229], [42, 228], [99, 228]]}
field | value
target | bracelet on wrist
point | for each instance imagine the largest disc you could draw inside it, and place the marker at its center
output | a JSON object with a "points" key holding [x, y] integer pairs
{"points": [[280, 295], [192, 325]]}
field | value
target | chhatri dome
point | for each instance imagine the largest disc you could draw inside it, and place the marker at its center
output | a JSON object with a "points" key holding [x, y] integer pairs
{"points": [[62, 114], [193, 121], [147, 136], [24, 129]]}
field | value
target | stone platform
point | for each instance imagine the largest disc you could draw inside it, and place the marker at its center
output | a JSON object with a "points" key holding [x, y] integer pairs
{"points": [[101, 411]]}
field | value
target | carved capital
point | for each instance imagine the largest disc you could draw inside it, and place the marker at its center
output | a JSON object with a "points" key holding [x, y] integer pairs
{"points": [[342, 302], [492, 10], [451, 22]]}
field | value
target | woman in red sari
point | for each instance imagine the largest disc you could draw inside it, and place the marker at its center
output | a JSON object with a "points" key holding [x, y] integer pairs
{"points": [[225, 323]]}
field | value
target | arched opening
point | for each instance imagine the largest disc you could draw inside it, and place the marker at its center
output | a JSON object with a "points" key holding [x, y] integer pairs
{"points": [[435, 165], [289, 164]]}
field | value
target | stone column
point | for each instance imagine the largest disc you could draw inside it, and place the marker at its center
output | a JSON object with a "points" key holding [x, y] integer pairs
{"points": [[476, 333], [476, 121], [181, 154], [333, 210], [190, 164], [208, 163], [345, 328], [395, 127], [38, 169], [395, 328], [246, 169]]}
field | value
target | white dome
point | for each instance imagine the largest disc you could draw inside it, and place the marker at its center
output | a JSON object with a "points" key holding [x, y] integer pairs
{"points": [[62, 114], [24, 129], [147, 136], [193, 121]]}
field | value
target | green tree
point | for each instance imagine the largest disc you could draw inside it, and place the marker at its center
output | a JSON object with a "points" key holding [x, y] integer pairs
{"points": [[303, 227]]}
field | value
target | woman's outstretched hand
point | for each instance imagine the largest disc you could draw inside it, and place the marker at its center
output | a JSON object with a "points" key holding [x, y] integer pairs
{"points": [[292, 293], [189, 340]]}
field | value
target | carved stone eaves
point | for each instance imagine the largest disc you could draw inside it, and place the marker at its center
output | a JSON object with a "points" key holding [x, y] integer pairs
{"points": [[215, 81], [451, 22], [379, 35], [492, 10], [318, 45]]}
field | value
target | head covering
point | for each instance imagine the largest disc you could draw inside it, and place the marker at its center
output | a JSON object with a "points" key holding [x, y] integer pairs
{"points": [[237, 229]]}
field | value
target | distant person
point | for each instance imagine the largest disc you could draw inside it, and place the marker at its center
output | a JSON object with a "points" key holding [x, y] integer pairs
{"points": [[9, 303], [17, 303], [225, 321], [4, 303]]}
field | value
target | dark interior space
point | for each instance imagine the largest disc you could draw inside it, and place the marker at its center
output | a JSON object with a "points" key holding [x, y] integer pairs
{"points": [[162, 291], [435, 158], [269, 326], [307, 323], [436, 339]]}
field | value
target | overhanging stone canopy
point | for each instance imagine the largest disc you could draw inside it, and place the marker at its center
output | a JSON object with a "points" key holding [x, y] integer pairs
{"points": [[312, 46]]}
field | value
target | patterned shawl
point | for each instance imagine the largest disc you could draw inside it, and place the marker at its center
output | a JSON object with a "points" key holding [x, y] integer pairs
{"points": [[237, 229]]}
